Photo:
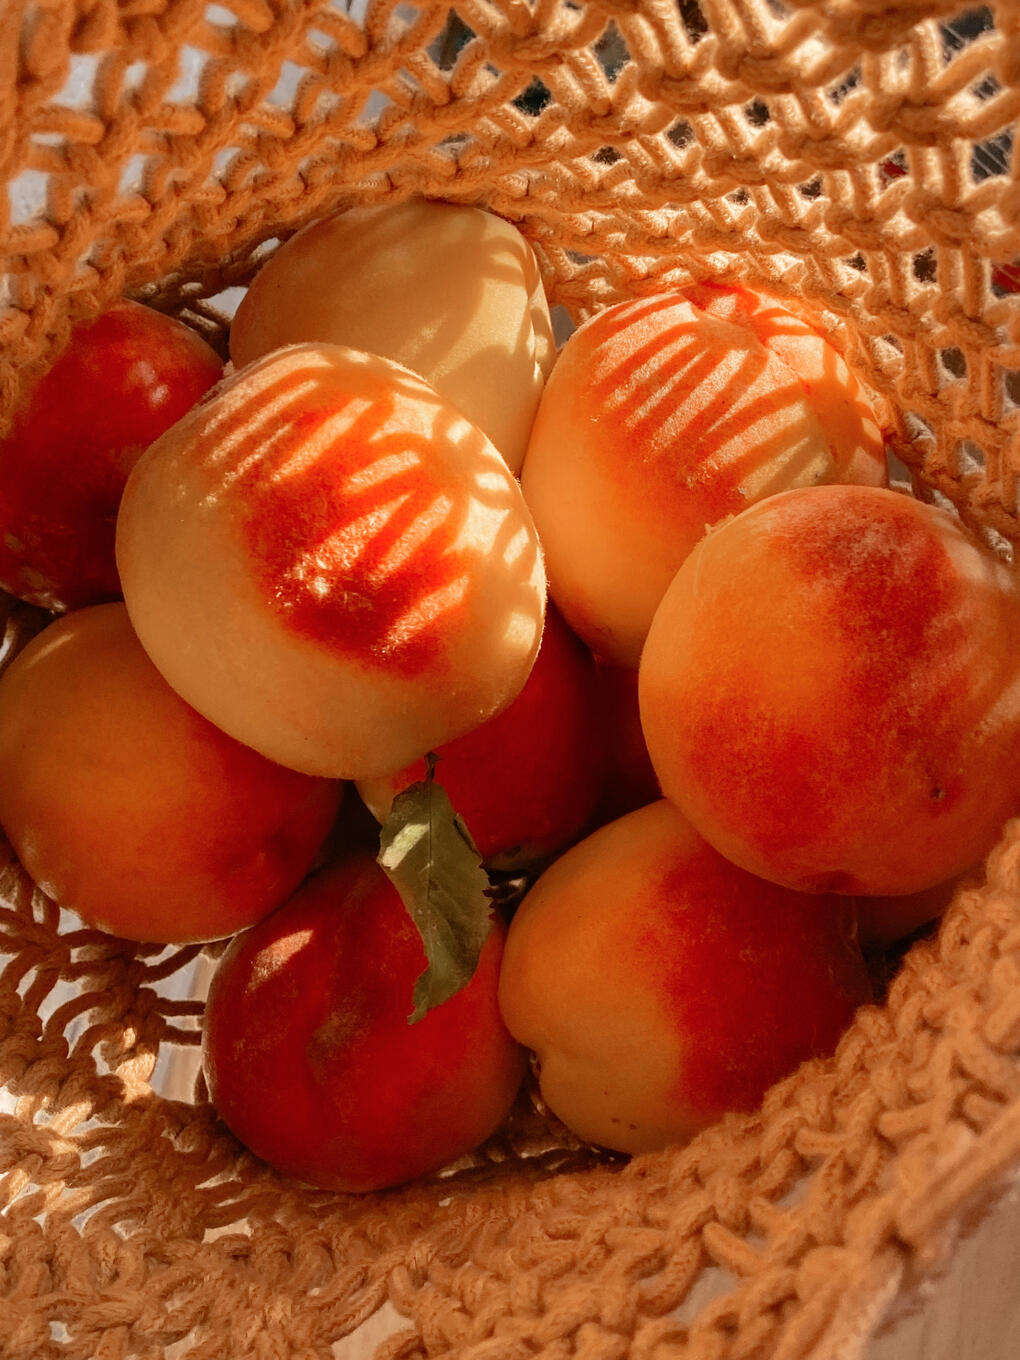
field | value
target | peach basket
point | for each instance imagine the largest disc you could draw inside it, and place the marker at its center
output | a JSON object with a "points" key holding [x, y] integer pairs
{"points": [[856, 153]]}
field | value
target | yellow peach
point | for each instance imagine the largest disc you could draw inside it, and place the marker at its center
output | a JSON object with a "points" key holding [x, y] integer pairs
{"points": [[664, 415], [661, 986], [332, 564], [451, 291]]}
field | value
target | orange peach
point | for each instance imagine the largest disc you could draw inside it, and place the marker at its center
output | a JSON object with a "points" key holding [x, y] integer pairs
{"points": [[451, 291], [525, 782], [882, 921], [830, 691], [124, 378], [333, 565], [663, 416], [309, 1056], [128, 807], [662, 987]]}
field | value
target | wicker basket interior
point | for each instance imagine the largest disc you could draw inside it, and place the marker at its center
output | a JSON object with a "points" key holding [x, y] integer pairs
{"points": [[858, 155]]}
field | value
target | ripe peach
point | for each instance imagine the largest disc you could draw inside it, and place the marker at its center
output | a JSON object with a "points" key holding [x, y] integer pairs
{"points": [[311, 1006], [127, 806], [525, 782], [881, 921], [830, 691], [451, 291], [661, 986], [333, 565], [629, 781], [664, 415], [123, 379]]}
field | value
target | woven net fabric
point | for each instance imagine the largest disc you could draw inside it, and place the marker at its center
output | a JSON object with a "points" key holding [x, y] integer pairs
{"points": [[854, 153]]}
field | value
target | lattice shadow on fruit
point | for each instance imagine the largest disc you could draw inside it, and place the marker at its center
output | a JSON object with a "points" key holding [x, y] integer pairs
{"points": [[714, 406], [360, 542]]}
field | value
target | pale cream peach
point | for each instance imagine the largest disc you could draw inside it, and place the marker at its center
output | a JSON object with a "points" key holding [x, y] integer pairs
{"points": [[449, 290]]}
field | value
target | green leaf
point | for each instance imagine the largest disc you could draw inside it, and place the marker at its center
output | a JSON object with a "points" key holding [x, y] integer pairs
{"points": [[428, 855]]}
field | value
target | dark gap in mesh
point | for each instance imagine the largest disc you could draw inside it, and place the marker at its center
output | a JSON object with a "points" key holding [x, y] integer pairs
{"points": [[738, 196], [692, 19], [1011, 385], [778, 9], [993, 156], [575, 257], [757, 113], [1005, 279], [960, 32], [925, 266], [448, 44], [681, 134], [837, 93], [894, 342], [612, 52], [534, 99], [953, 362], [562, 323], [893, 167], [987, 88], [858, 262], [811, 188], [898, 470], [607, 155]]}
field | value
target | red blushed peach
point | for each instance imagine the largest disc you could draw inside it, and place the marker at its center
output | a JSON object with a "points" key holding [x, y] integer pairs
{"points": [[663, 416], [451, 291], [333, 565], [526, 782], [830, 691], [629, 781], [882, 921], [662, 987], [123, 379], [127, 806], [309, 1056]]}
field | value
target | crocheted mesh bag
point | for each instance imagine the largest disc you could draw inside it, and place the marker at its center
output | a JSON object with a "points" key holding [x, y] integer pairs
{"points": [[856, 152]]}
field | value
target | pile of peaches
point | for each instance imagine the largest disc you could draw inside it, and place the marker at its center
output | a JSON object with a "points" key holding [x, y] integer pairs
{"points": [[639, 626]]}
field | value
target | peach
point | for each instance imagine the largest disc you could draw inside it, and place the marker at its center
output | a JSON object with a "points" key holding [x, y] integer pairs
{"points": [[452, 292], [662, 987], [882, 921], [629, 781], [333, 565], [525, 782], [311, 1007], [123, 379], [663, 416], [128, 807], [830, 691]]}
